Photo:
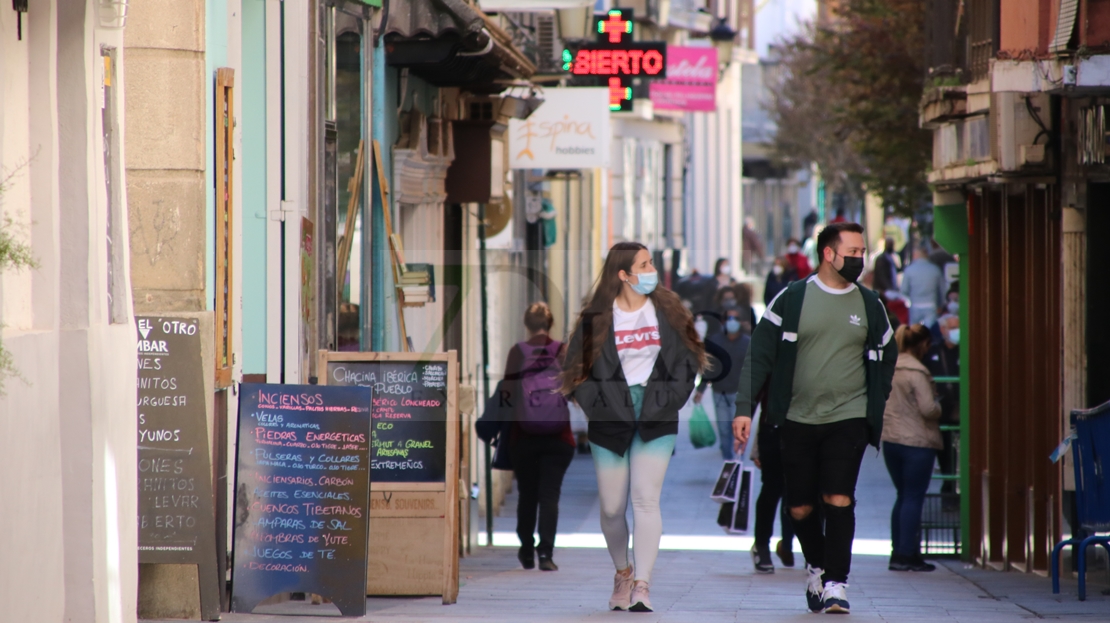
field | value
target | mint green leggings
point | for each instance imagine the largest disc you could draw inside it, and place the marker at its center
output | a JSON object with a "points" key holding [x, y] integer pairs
{"points": [[638, 473]]}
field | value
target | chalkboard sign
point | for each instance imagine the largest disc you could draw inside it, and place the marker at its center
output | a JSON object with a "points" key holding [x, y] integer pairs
{"points": [[177, 523], [302, 494], [409, 442]]}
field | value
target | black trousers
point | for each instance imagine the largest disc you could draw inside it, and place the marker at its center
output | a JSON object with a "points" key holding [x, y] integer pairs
{"points": [[824, 459], [539, 463], [774, 485]]}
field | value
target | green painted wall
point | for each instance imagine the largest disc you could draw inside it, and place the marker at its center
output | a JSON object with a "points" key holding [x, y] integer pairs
{"points": [[950, 230], [252, 163]]}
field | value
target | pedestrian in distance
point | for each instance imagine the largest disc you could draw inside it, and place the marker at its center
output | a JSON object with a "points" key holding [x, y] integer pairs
{"points": [[767, 456], [726, 349], [722, 272], [885, 273], [781, 275], [752, 257], [798, 260], [943, 359], [541, 443], [923, 284], [826, 350], [911, 439], [631, 365]]}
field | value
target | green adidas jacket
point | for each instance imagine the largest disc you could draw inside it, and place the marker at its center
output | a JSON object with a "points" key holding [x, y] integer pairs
{"points": [[774, 351]]}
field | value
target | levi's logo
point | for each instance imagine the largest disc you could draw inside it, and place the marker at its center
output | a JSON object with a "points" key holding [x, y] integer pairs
{"points": [[637, 338]]}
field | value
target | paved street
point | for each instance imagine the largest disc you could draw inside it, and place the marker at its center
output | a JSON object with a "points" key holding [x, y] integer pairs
{"points": [[696, 582]]}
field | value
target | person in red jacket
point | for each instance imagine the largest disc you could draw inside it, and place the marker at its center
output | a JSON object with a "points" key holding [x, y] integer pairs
{"points": [[797, 259]]}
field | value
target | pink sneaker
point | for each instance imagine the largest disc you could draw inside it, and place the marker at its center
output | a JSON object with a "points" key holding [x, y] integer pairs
{"points": [[622, 591], [640, 599]]}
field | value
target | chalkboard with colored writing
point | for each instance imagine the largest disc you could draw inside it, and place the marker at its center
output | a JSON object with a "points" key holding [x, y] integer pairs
{"points": [[409, 436], [302, 494]]}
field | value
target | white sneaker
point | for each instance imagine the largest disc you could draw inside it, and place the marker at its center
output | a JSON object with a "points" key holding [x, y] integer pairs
{"points": [[814, 588], [834, 598]]}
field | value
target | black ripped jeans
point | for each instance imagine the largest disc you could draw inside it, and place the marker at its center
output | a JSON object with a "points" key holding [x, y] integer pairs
{"points": [[820, 460]]}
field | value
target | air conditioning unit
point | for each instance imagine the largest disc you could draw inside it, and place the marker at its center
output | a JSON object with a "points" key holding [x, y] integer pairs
{"points": [[1021, 128]]}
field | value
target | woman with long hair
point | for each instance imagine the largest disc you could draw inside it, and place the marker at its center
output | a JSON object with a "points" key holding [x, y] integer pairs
{"points": [[911, 438], [631, 365]]}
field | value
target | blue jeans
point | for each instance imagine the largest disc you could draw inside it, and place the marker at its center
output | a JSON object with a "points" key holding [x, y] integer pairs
{"points": [[910, 468], [923, 315], [725, 406]]}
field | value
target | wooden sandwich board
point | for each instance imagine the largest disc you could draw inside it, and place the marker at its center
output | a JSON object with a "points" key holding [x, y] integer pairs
{"points": [[414, 492]]}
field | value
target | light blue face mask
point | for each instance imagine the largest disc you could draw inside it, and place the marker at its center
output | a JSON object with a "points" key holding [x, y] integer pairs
{"points": [[647, 283], [954, 336], [732, 325]]}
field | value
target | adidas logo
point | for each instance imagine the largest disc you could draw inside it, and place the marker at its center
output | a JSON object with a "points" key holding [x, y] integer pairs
{"points": [[854, 319]]}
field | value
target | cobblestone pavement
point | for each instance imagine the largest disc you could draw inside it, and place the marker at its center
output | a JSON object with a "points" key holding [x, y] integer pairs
{"points": [[703, 576]]}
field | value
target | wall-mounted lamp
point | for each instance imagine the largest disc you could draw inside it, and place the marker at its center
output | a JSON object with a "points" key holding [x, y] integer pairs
{"points": [[724, 38], [520, 101], [112, 13], [20, 7], [575, 23]]}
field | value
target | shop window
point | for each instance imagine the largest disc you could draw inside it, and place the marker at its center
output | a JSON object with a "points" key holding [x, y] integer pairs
{"points": [[351, 154]]}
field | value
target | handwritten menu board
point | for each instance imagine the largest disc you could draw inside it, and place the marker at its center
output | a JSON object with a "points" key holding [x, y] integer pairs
{"points": [[302, 494], [409, 437], [176, 516]]}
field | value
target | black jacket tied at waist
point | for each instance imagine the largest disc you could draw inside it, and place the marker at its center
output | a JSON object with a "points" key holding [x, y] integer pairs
{"points": [[607, 402]]}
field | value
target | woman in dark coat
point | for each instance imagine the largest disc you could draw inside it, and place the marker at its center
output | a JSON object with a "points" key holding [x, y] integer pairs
{"points": [[631, 365]]}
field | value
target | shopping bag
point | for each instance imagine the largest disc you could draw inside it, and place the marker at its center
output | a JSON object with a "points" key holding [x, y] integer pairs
{"points": [[742, 510], [727, 485], [734, 516], [701, 429]]}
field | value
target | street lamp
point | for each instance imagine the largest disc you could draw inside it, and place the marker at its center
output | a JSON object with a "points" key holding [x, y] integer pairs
{"points": [[724, 38]]}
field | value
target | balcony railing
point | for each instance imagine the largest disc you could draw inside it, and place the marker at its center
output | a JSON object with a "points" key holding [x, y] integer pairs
{"points": [[946, 43]]}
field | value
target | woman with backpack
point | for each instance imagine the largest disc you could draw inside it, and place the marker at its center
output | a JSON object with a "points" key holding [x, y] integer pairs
{"points": [[631, 365], [541, 443]]}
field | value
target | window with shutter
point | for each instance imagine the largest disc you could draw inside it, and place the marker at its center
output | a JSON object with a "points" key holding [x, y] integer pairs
{"points": [[1065, 26]]}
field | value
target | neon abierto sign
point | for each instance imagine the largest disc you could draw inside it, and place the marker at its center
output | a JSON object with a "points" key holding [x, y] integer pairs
{"points": [[641, 59]]}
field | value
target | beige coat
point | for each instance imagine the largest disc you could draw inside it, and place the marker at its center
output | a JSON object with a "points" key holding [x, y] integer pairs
{"points": [[912, 415]]}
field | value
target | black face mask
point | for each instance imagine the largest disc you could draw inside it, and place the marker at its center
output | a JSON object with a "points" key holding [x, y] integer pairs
{"points": [[852, 268]]}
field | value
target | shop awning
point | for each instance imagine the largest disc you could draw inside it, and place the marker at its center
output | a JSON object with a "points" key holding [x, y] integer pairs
{"points": [[452, 44]]}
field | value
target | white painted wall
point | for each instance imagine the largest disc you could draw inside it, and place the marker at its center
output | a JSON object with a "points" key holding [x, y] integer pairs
{"points": [[714, 211], [68, 428]]}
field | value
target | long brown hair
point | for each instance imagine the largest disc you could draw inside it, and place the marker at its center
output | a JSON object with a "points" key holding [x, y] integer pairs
{"points": [[596, 320]]}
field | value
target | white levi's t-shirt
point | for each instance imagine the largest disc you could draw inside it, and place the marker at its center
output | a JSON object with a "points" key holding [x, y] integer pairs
{"points": [[638, 341]]}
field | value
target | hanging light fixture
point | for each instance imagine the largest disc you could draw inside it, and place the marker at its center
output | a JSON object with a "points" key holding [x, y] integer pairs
{"points": [[20, 7], [575, 23], [724, 38], [112, 13]]}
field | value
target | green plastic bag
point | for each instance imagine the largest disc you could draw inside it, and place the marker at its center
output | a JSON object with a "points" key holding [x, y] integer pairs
{"points": [[701, 429]]}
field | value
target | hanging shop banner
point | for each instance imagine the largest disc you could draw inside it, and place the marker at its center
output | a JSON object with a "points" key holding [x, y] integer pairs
{"points": [[691, 83], [301, 494], [569, 131]]}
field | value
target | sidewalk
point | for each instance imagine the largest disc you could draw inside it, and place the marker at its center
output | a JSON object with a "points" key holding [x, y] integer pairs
{"points": [[704, 576]]}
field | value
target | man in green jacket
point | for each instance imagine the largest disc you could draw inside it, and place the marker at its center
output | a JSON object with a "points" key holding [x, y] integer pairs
{"points": [[825, 349]]}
